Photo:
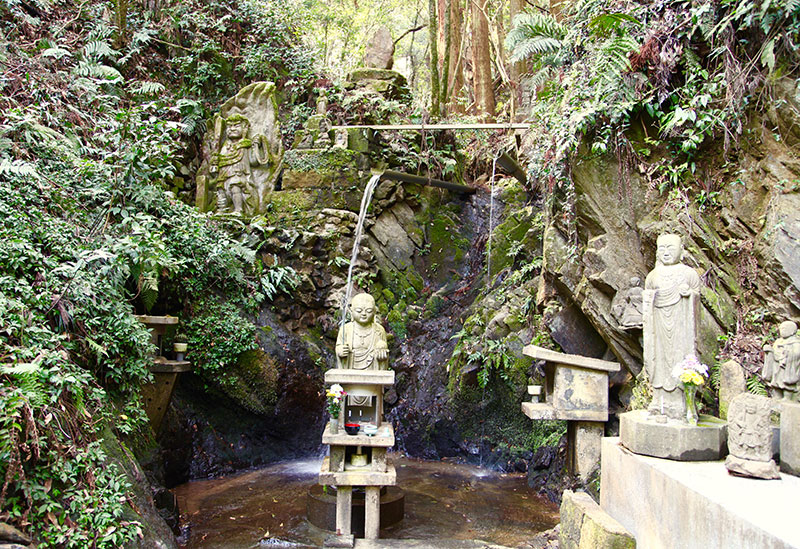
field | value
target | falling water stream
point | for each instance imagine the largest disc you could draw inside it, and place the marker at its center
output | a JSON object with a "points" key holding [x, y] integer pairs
{"points": [[366, 198]]}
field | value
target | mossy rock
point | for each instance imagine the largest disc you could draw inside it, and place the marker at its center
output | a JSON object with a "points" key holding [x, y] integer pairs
{"points": [[253, 382]]}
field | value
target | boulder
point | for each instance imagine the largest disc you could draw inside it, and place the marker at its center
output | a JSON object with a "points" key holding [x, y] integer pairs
{"points": [[380, 50]]}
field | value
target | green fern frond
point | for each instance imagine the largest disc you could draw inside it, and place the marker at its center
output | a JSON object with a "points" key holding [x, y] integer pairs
{"points": [[756, 386], [534, 34], [148, 88], [57, 52], [613, 61], [99, 49], [96, 70], [17, 168]]}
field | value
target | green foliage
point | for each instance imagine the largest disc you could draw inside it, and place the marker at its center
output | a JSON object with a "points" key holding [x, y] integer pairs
{"points": [[686, 81], [217, 335]]}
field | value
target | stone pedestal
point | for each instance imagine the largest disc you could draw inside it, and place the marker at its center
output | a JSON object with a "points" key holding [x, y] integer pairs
{"points": [[341, 470], [642, 434], [790, 438], [680, 504]]}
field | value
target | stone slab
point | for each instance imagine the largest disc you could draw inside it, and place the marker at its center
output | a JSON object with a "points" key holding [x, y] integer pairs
{"points": [[584, 525], [673, 440], [157, 320], [580, 394], [425, 544], [340, 541], [540, 353], [356, 477], [668, 504], [360, 377], [538, 410], [583, 447], [163, 366], [766, 470], [790, 438], [384, 437]]}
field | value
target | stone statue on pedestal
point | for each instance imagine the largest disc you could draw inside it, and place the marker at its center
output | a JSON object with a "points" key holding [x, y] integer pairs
{"points": [[669, 314], [781, 370], [361, 343], [750, 437]]}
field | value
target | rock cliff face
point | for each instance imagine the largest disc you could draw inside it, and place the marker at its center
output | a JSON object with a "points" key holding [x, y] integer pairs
{"points": [[743, 241]]}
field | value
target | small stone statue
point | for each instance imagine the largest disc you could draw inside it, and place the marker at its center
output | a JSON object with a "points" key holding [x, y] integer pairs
{"points": [[782, 363], [750, 437], [361, 343], [628, 307], [669, 314]]}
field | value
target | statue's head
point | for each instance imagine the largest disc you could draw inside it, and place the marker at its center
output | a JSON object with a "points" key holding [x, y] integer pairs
{"points": [[669, 249], [237, 126], [787, 329], [362, 307], [635, 281]]}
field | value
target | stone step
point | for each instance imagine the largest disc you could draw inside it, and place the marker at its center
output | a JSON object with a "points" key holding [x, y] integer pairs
{"points": [[425, 544]]}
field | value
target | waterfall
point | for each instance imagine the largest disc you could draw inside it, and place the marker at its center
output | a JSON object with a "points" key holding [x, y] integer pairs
{"points": [[362, 214]]}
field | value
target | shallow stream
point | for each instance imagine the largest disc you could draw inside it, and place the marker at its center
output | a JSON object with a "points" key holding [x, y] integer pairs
{"points": [[267, 507]]}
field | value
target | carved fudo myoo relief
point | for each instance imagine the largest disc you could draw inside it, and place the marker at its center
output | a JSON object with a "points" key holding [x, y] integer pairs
{"points": [[243, 154]]}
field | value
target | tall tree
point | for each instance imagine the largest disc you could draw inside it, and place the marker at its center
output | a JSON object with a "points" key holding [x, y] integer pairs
{"points": [[434, 60], [516, 70], [481, 60], [451, 65]]}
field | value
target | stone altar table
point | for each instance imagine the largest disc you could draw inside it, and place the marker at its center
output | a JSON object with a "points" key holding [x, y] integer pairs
{"points": [[576, 390]]}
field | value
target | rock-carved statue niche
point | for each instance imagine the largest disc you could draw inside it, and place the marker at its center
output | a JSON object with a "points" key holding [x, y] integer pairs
{"points": [[626, 308], [243, 154]]}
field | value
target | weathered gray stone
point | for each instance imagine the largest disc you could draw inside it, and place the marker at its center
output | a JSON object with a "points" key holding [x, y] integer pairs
{"points": [[676, 440], [570, 329], [584, 525], [666, 503], [380, 50], [749, 468], [781, 370], [732, 382], [669, 311], [790, 438], [397, 245], [242, 153]]}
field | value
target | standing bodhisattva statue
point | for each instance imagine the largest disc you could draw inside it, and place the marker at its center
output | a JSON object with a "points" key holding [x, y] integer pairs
{"points": [[781, 370], [361, 343], [669, 311]]}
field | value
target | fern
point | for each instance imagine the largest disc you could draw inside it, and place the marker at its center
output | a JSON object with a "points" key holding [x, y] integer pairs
{"points": [[613, 61], [608, 23], [534, 34], [18, 168], [146, 87], [756, 386], [99, 49], [96, 70]]}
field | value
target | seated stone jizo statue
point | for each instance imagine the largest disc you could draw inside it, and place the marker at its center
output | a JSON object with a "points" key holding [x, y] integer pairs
{"points": [[361, 344], [669, 310]]}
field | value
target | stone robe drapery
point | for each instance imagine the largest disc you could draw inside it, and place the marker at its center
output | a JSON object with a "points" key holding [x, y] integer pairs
{"points": [[363, 349], [670, 321]]}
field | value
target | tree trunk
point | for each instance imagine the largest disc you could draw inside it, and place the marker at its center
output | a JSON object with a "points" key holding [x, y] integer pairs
{"points": [[481, 59], [434, 59], [455, 80], [516, 70]]}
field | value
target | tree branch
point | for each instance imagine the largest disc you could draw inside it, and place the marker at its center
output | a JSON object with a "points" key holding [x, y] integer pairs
{"points": [[415, 29]]}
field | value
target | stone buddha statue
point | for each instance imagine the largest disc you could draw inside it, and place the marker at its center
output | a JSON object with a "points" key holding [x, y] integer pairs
{"points": [[669, 314], [361, 343]]}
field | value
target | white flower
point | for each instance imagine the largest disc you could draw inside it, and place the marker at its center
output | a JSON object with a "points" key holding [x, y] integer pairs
{"points": [[337, 389]]}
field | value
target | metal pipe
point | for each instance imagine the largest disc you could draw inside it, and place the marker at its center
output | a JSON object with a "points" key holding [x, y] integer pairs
{"points": [[511, 166]]}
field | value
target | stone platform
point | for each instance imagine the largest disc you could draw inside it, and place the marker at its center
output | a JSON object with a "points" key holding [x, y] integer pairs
{"points": [[674, 440], [697, 504]]}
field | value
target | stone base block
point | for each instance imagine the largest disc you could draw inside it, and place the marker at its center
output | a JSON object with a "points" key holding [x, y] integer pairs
{"points": [[341, 540], [674, 440], [670, 504], [748, 468], [584, 525], [790, 438]]}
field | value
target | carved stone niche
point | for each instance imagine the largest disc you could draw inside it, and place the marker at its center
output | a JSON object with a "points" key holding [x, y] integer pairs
{"points": [[242, 154]]}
